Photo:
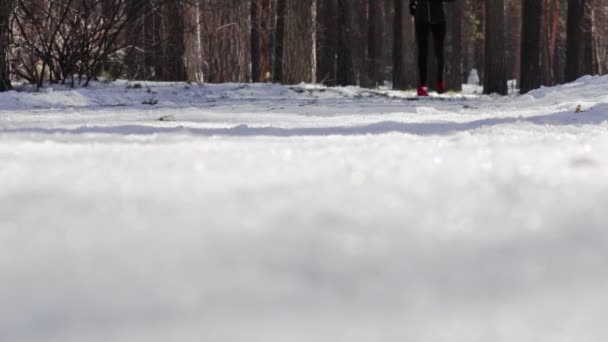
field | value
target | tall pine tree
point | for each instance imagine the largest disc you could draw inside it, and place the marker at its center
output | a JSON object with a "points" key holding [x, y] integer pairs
{"points": [[495, 78], [327, 41], [6, 7], [579, 46], [399, 81], [530, 73]]}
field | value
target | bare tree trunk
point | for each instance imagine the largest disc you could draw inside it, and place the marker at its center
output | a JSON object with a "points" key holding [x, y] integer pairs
{"points": [[479, 45], [549, 50], [411, 61], [579, 61], [546, 69], [530, 73], [266, 31], [260, 40], [398, 48], [327, 41], [313, 40], [454, 52], [134, 63], [153, 41], [599, 24], [358, 40], [588, 41], [226, 40], [255, 41], [466, 46], [299, 49], [601, 45], [495, 80], [193, 50], [5, 12], [375, 36], [560, 41], [173, 68], [279, 41], [513, 39], [345, 74]]}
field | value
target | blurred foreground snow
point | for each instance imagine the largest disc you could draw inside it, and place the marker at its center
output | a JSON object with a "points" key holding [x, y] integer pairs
{"points": [[251, 213]]}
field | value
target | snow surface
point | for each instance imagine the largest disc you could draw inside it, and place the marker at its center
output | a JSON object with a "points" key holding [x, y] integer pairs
{"points": [[174, 212]]}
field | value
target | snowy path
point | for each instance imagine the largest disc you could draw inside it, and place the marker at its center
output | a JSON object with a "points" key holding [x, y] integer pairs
{"points": [[262, 213]]}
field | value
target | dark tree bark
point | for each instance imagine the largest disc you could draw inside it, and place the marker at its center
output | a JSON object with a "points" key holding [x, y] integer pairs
{"points": [[600, 25], [226, 40], [345, 74], [266, 29], [467, 33], [375, 48], [299, 42], [479, 41], [410, 54], [327, 41], [495, 80], [173, 68], [588, 41], [153, 41], [255, 41], [549, 34], [5, 12], [399, 81], [193, 49], [579, 60], [454, 52], [513, 39], [279, 41], [260, 40], [358, 39], [134, 63], [530, 73]]}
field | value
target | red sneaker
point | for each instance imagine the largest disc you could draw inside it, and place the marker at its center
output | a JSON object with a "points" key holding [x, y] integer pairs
{"points": [[422, 91], [440, 87]]}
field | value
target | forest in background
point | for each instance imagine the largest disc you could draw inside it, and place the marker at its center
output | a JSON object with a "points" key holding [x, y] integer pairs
{"points": [[368, 43]]}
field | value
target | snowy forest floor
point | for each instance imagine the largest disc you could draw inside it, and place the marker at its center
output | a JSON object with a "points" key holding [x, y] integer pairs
{"points": [[173, 212]]}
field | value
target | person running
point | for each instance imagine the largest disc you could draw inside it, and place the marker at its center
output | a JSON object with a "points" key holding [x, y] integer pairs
{"points": [[429, 18]]}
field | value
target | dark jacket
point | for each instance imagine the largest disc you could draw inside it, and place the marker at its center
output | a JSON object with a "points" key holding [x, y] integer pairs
{"points": [[428, 11]]}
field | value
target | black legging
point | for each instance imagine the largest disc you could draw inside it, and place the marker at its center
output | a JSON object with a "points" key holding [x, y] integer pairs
{"points": [[422, 38]]}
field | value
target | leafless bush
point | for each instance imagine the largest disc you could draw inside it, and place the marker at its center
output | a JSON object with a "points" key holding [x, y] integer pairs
{"points": [[68, 40]]}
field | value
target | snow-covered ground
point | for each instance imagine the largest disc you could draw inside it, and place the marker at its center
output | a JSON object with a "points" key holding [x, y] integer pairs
{"points": [[255, 213]]}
